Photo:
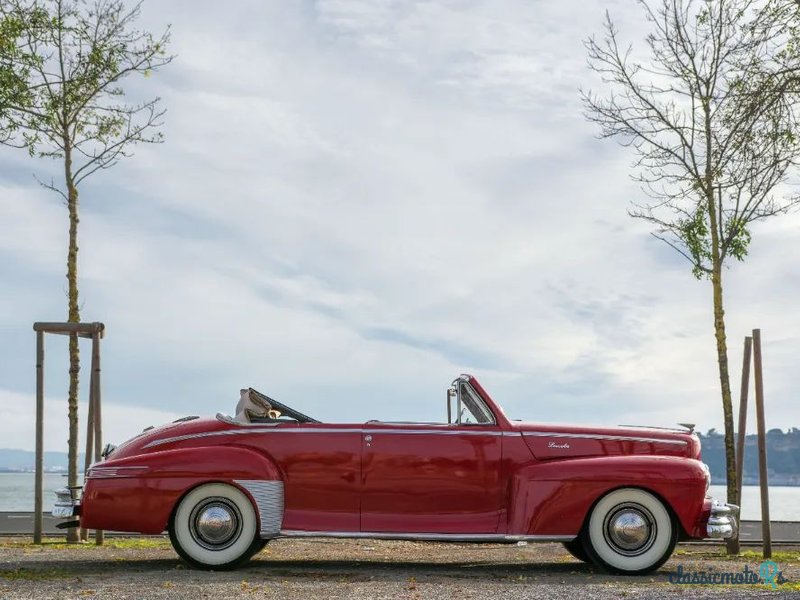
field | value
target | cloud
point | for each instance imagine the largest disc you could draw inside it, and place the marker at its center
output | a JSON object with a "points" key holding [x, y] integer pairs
{"points": [[120, 422], [356, 202]]}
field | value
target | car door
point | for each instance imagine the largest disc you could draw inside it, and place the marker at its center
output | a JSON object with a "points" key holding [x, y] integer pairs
{"points": [[431, 478], [321, 465]]}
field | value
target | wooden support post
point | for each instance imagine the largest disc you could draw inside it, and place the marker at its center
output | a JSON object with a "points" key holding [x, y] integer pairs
{"points": [[766, 530], [39, 477], [733, 544], [94, 441], [98, 414], [87, 457]]}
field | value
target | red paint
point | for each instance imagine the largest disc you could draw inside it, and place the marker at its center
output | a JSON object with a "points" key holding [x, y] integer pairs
{"points": [[431, 482], [406, 478]]}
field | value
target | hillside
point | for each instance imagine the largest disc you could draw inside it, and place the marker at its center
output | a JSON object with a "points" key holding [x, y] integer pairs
{"points": [[25, 460], [783, 456]]}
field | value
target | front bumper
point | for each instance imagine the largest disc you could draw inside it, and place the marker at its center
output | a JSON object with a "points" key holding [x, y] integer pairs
{"points": [[67, 504], [723, 521]]}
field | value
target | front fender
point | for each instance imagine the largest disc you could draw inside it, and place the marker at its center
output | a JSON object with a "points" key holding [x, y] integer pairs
{"points": [[554, 498], [138, 493]]}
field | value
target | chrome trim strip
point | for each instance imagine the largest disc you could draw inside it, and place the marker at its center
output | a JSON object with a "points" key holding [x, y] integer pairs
{"points": [[246, 430], [672, 429], [249, 430], [373, 431], [431, 537], [512, 434], [268, 496], [101, 472], [433, 431], [598, 436]]}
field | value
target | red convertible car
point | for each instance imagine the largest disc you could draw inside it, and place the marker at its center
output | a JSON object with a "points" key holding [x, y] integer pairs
{"points": [[223, 487]]}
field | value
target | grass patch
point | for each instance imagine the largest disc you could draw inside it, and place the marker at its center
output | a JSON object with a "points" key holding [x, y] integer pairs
{"points": [[783, 556], [23, 574], [751, 556], [138, 543], [142, 543]]}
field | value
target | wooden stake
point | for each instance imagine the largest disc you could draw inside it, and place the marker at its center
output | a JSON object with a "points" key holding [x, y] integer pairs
{"points": [[38, 485], [98, 421], [87, 457], [766, 531], [733, 543]]}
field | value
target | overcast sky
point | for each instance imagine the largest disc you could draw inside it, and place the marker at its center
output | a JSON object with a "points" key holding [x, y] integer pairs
{"points": [[359, 200]]}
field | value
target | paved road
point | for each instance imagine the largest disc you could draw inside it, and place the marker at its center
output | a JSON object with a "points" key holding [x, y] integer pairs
{"points": [[21, 523]]}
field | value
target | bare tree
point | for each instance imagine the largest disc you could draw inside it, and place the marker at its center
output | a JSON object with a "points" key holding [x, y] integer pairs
{"points": [[710, 111], [62, 63]]}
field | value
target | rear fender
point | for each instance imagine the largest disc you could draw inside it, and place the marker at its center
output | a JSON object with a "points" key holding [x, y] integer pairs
{"points": [[554, 498], [139, 493], [219, 462]]}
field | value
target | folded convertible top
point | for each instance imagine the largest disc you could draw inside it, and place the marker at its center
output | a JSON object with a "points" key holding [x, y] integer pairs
{"points": [[284, 410]]}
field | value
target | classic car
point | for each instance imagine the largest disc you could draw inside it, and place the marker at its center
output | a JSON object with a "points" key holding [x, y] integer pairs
{"points": [[223, 487]]}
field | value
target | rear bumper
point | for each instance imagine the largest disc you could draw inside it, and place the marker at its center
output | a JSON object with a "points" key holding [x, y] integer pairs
{"points": [[723, 522], [67, 504]]}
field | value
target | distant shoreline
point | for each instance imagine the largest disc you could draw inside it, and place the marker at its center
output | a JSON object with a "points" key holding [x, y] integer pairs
{"points": [[47, 471], [756, 483]]}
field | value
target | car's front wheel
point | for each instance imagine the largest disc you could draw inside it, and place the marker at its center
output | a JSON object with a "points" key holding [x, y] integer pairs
{"points": [[215, 527], [630, 532]]}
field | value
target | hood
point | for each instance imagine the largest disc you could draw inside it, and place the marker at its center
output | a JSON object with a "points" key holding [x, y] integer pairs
{"points": [[553, 441]]}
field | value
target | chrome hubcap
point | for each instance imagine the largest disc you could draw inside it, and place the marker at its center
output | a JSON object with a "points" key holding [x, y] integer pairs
{"points": [[215, 523], [630, 529]]}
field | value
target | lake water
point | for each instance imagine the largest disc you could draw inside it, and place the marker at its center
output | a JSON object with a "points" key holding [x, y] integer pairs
{"points": [[16, 494], [784, 502], [16, 490]]}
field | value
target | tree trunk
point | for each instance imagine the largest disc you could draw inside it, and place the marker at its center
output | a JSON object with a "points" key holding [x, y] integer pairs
{"points": [[725, 385], [73, 317], [714, 220], [722, 354]]}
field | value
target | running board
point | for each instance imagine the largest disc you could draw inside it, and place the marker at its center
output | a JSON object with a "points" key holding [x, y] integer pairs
{"points": [[486, 538]]}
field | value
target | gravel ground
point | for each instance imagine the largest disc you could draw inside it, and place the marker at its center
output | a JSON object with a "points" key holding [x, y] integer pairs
{"points": [[321, 569]]}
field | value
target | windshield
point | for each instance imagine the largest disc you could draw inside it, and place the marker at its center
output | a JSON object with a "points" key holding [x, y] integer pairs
{"points": [[473, 410]]}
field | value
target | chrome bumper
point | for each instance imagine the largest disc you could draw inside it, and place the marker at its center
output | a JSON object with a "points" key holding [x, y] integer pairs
{"points": [[723, 520], [67, 505]]}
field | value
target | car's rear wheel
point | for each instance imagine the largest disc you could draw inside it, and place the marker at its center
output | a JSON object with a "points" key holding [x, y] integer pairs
{"points": [[215, 527], [630, 532], [575, 547]]}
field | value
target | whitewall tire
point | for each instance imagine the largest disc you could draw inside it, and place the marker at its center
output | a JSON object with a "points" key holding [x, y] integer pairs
{"points": [[630, 532], [215, 527]]}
